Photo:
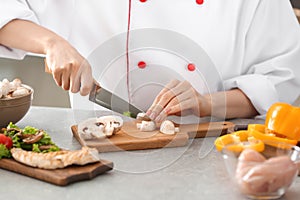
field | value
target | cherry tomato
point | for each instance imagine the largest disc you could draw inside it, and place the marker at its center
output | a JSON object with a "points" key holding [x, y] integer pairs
{"points": [[7, 141]]}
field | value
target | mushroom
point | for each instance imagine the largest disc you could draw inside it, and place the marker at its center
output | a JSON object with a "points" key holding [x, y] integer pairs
{"points": [[20, 91], [4, 85], [101, 127], [112, 121], [143, 117], [146, 126], [33, 138], [46, 147], [168, 127], [12, 89], [13, 86]]}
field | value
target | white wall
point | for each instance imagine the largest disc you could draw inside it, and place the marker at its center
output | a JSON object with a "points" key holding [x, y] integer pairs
{"points": [[31, 71]]}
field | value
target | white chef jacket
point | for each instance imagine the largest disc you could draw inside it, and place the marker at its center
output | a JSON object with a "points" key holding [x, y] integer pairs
{"points": [[137, 46]]}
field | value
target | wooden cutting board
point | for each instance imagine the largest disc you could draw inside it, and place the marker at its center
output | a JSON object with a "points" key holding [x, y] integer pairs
{"points": [[130, 138], [59, 177]]}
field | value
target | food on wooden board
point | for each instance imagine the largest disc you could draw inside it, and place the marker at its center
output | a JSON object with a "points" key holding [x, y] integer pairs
{"points": [[146, 126], [30, 138], [100, 127], [168, 127], [12, 89], [56, 160], [34, 147]]}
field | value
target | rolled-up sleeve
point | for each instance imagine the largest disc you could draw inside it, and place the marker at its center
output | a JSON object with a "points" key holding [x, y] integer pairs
{"points": [[14, 9], [271, 67]]}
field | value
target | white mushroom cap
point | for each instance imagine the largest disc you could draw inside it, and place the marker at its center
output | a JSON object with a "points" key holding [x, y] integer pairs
{"points": [[146, 126], [5, 88], [168, 127], [143, 117], [20, 91], [5, 80], [15, 84]]}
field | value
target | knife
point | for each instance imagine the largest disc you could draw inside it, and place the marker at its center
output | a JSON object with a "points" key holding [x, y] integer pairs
{"points": [[108, 100], [112, 102]]}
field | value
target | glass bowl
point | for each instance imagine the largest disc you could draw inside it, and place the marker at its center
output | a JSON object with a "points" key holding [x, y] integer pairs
{"points": [[266, 174]]}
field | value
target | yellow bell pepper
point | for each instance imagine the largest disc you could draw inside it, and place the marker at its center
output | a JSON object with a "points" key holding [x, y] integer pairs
{"points": [[258, 132], [238, 141], [283, 120]]}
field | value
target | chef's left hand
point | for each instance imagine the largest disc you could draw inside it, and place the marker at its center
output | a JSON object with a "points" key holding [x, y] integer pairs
{"points": [[178, 98]]}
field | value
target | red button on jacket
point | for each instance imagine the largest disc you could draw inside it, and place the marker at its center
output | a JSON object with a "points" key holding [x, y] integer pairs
{"points": [[141, 64], [191, 67], [199, 2]]}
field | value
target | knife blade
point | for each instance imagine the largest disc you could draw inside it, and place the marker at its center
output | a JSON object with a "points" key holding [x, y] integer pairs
{"points": [[112, 102]]}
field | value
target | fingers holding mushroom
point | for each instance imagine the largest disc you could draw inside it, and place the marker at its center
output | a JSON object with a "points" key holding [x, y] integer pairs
{"points": [[178, 98]]}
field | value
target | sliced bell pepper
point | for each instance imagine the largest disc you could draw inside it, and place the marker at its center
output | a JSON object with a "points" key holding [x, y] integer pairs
{"points": [[283, 120], [238, 141], [258, 132]]}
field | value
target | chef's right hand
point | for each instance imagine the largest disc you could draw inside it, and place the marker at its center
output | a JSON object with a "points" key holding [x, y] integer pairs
{"points": [[70, 70]]}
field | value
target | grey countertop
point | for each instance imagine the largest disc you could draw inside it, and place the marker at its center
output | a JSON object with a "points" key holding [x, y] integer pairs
{"points": [[196, 171]]}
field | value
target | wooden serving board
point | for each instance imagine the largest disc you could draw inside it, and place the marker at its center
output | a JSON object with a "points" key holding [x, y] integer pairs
{"points": [[130, 138], [59, 177]]}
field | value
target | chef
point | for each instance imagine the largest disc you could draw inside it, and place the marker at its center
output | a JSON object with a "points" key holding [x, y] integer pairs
{"points": [[218, 58]]}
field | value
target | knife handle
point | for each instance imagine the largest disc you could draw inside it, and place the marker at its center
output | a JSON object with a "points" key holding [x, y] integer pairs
{"points": [[240, 127], [47, 70]]}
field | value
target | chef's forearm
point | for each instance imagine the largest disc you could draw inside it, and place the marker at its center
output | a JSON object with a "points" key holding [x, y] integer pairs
{"points": [[27, 36], [231, 104]]}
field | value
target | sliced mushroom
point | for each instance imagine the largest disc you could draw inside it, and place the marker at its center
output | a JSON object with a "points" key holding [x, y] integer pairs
{"points": [[143, 117], [101, 127], [46, 147], [146, 126], [112, 121], [168, 127], [33, 138], [91, 128]]}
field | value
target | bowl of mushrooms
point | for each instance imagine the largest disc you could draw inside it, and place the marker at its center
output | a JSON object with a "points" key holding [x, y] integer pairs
{"points": [[15, 101]]}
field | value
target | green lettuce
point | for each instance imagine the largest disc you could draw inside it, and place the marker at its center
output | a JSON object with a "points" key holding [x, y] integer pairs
{"points": [[4, 152]]}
